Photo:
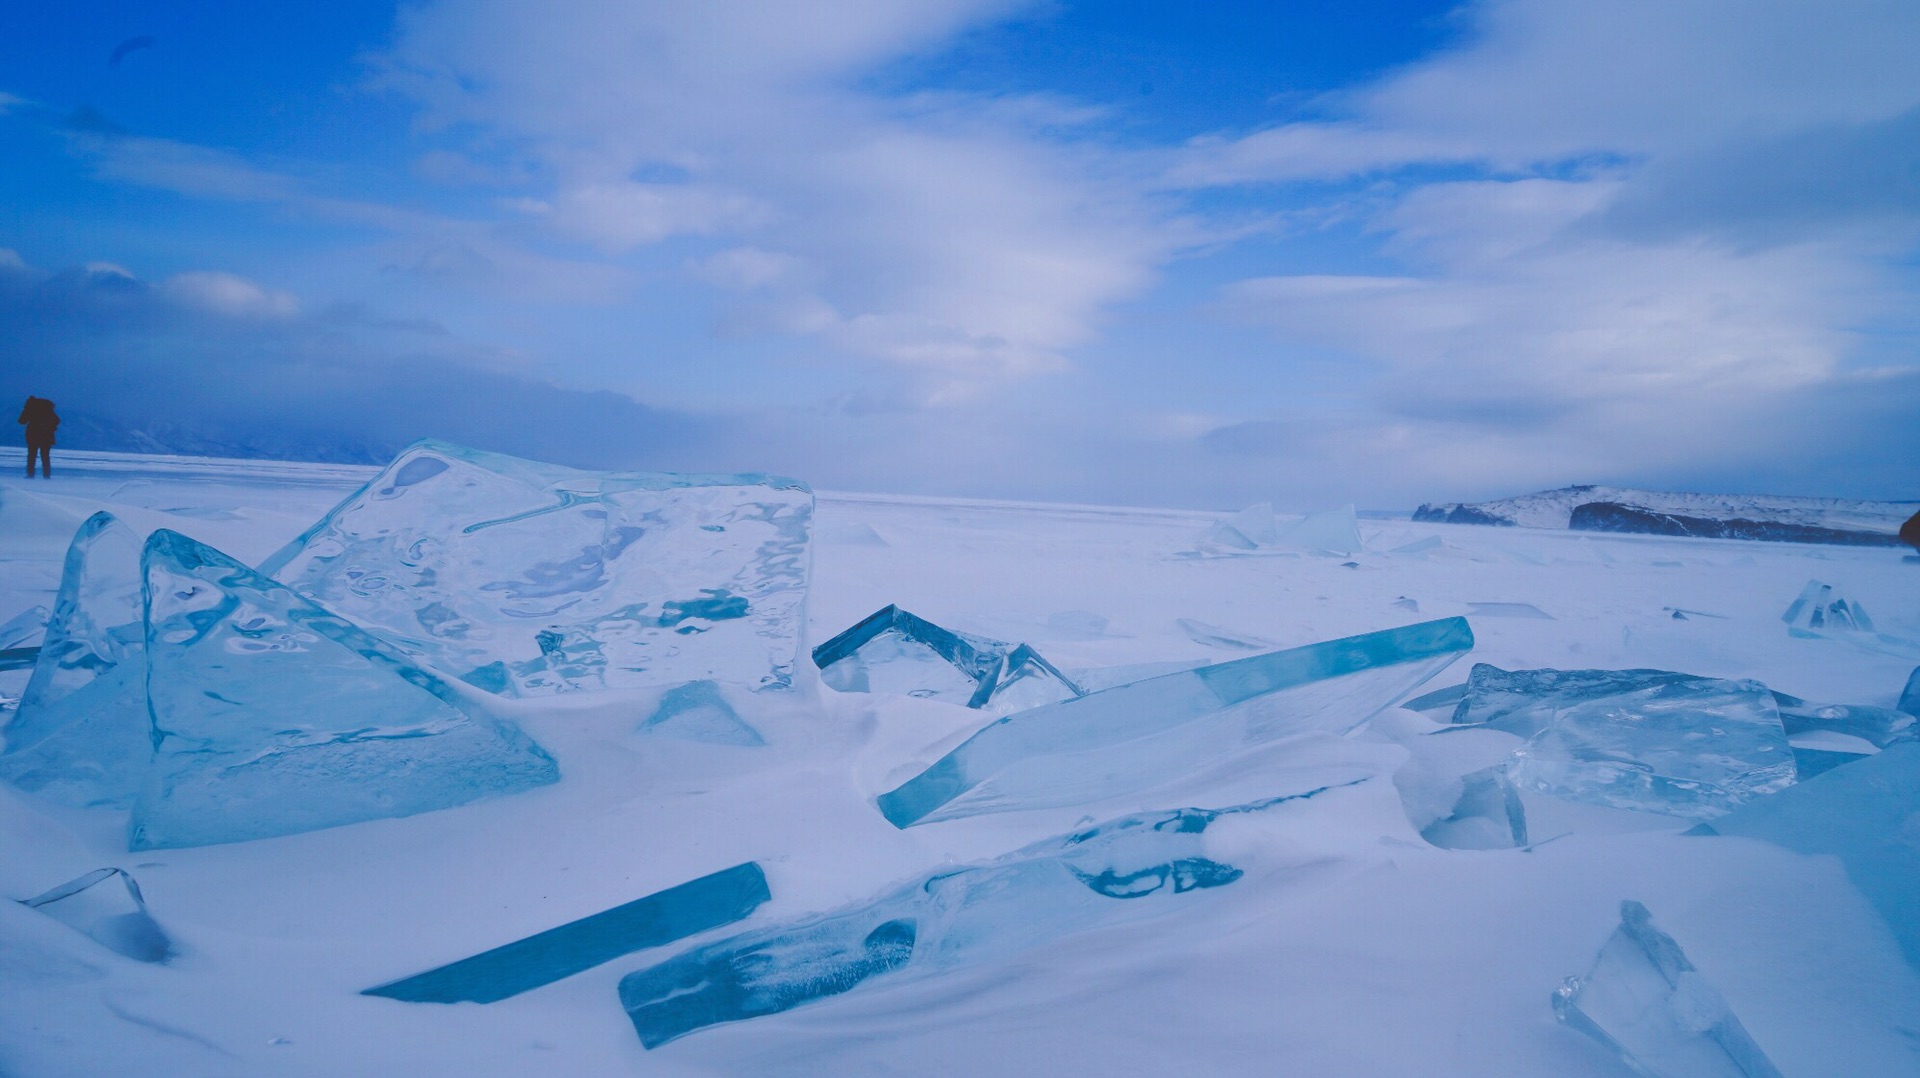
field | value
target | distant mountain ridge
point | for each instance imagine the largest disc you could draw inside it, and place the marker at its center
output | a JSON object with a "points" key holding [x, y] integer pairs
{"points": [[1776, 518]]}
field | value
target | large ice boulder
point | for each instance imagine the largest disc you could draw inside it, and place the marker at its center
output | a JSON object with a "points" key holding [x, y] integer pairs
{"points": [[526, 579]]}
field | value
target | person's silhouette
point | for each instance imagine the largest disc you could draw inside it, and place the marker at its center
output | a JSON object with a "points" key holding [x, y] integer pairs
{"points": [[41, 421]]}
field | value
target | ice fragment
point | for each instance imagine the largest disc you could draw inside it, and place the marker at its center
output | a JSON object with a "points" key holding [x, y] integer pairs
{"points": [[113, 914], [894, 651], [273, 716], [698, 711], [1868, 815], [1910, 696], [1487, 815], [526, 578], [1150, 732], [25, 629], [1126, 868], [660, 918], [1646, 1002]]}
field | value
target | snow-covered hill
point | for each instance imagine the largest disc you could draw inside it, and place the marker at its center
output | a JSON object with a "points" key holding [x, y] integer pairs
{"points": [[1555, 509]]}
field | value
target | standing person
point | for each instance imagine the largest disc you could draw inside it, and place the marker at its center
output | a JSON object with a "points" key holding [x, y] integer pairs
{"points": [[41, 421]]}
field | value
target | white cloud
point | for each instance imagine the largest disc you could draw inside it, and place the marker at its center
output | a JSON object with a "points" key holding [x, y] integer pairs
{"points": [[939, 233], [225, 293]]}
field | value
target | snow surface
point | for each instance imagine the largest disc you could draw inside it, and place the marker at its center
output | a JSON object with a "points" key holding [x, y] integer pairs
{"points": [[1351, 946], [1552, 508]]}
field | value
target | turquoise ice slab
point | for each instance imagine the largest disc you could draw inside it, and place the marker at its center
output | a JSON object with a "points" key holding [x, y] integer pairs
{"points": [[272, 716], [1126, 868], [1647, 1003], [1140, 735], [660, 918], [529, 579], [80, 734], [1696, 747], [1867, 814]]}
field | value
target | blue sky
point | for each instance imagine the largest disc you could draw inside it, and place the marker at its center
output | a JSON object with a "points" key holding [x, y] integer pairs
{"points": [[1119, 252]]}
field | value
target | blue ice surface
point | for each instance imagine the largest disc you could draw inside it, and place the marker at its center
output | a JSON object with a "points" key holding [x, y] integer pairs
{"points": [[1488, 815], [698, 711], [1645, 1001], [79, 736], [1523, 702], [273, 716], [895, 651], [529, 579], [1910, 696], [1696, 749], [1130, 867], [543, 958], [1865, 814], [1141, 735], [106, 905]]}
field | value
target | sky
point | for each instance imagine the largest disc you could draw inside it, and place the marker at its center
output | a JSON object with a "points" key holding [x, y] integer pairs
{"points": [[1382, 252]]}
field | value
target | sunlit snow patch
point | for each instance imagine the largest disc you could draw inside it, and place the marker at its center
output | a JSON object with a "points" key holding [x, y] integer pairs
{"points": [[527, 578], [273, 716], [1138, 736], [1647, 1003]]}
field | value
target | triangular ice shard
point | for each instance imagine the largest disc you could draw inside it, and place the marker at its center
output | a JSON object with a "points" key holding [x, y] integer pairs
{"points": [[106, 904], [1820, 610], [1868, 815], [1129, 868], [1334, 531], [1647, 1003], [1487, 815], [893, 651], [272, 716], [80, 735], [526, 578], [1142, 735], [25, 630], [698, 711]]}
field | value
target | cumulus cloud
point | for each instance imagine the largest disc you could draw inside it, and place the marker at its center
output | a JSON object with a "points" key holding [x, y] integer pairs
{"points": [[939, 234]]}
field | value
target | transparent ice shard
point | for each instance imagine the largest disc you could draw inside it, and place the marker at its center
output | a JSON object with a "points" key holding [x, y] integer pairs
{"points": [[273, 716], [1092, 679], [1335, 531], [1507, 610], [107, 906], [80, 734], [1249, 529], [1201, 632], [1419, 548], [698, 711], [1864, 814], [1820, 610], [1877, 726], [1487, 815], [1647, 1003], [658, 919], [1127, 868], [1150, 732], [25, 629], [1696, 747], [893, 651], [526, 578], [1523, 702]]}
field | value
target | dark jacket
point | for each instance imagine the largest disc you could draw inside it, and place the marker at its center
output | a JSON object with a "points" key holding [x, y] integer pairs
{"points": [[40, 420]]}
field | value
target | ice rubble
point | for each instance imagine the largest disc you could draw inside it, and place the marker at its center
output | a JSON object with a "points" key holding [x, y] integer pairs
{"points": [[660, 918], [1332, 531], [897, 652], [113, 914], [1864, 814], [1819, 611], [273, 716], [80, 734], [524, 578], [1647, 1003], [1646, 740], [1140, 735], [948, 918]]}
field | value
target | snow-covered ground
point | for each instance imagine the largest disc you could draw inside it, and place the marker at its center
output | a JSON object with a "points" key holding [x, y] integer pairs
{"points": [[1350, 947]]}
